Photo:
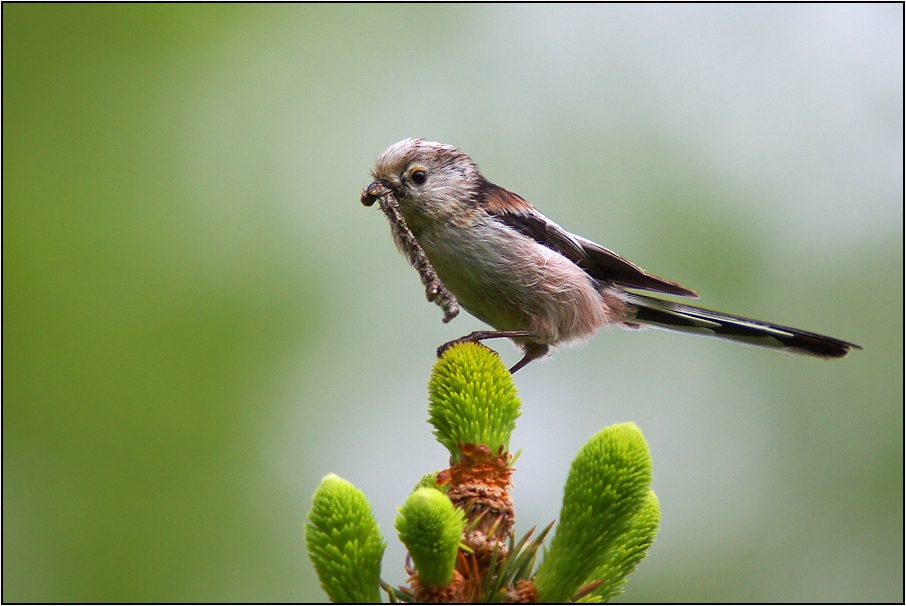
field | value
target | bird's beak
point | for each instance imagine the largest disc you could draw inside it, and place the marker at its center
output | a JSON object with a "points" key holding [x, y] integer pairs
{"points": [[374, 191]]}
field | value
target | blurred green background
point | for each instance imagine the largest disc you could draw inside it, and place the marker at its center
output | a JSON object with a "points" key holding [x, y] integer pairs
{"points": [[200, 320]]}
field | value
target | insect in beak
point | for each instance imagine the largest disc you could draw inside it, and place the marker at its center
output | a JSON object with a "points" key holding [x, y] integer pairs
{"points": [[374, 191]]}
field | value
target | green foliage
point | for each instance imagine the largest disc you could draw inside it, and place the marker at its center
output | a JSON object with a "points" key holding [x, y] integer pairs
{"points": [[431, 528], [630, 549], [517, 566], [472, 399], [609, 518], [345, 542], [607, 487], [429, 480]]}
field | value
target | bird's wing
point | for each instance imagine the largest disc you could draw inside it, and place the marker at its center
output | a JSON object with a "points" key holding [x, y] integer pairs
{"points": [[600, 263]]}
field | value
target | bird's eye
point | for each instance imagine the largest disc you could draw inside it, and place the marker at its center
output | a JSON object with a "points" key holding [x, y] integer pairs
{"points": [[418, 177]]}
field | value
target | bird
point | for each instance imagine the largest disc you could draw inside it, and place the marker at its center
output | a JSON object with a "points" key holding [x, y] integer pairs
{"points": [[531, 280]]}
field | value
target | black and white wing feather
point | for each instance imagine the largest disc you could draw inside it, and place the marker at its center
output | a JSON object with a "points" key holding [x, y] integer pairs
{"points": [[601, 264]]}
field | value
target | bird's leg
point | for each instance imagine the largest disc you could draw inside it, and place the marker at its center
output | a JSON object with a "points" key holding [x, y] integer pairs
{"points": [[533, 351], [481, 335]]}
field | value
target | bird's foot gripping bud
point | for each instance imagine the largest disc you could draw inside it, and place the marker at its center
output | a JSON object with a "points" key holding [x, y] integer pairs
{"points": [[483, 335], [446, 346]]}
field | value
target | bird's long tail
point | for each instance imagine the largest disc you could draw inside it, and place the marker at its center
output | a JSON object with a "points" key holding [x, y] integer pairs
{"points": [[686, 318]]}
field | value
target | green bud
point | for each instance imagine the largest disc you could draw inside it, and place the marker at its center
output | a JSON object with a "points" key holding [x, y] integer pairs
{"points": [[429, 480], [431, 528], [345, 542], [607, 486], [472, 399], [631, 548]]}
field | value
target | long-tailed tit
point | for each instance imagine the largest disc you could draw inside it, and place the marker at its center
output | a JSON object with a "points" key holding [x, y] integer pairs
{"points": [[533, 281]]}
